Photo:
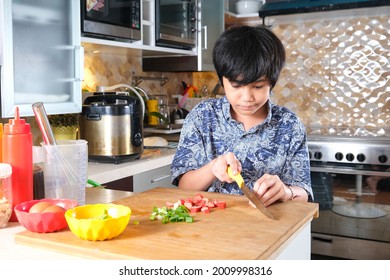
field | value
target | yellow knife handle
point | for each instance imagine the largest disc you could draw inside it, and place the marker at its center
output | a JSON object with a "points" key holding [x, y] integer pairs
{"points": [[238, 178]]}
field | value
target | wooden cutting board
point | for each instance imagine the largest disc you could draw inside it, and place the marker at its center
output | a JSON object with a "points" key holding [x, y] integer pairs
{"points": [[237, 232]]}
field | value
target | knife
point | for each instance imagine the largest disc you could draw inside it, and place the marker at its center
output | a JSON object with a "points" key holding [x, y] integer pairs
{"points": [[249, 194]]}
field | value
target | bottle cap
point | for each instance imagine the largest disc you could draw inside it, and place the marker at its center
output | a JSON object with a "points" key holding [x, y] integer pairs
{"points": [[17, 125], [5, 170]]}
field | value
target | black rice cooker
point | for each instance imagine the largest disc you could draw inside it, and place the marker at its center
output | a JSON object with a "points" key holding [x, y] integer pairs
{"points": [[113, 126]]}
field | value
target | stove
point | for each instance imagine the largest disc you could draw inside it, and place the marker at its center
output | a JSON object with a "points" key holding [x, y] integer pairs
{"points": [[354, 218], [354, 155], [350, 150]]}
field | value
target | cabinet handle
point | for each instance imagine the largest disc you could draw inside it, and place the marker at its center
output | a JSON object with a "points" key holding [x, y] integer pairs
{"points": [[159, 179], [321, 238], [79, 56], [205, 37]]}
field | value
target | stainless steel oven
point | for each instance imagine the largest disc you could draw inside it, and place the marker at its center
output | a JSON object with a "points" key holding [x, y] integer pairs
{"points": [[351, 182], [176, 23], [111, 19]]}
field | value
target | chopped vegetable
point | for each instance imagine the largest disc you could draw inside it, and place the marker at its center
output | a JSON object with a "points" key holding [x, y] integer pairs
{"points": [[178, 211], [171, 215], [104, 216]]}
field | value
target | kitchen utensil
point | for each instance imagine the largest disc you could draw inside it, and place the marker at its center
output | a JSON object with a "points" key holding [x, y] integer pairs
{"points": [[5, 193], [60, 169], [251, 196], [98, 221], [43, 222], [75, 155], [248, 7]]}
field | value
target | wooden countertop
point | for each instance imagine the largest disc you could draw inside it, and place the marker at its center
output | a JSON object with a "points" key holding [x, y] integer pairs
{"points": [[236, 232]]}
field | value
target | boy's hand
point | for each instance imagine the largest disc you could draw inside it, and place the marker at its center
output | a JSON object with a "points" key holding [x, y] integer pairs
{"points": [[269, 188], [220, 165]]}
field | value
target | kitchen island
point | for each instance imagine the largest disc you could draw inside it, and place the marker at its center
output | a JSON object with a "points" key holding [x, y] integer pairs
{"points": [[237, 232]]}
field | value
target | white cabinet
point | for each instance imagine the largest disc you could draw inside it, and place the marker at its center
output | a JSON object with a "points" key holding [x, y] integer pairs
{"points": [[41, 58], [148, 38], [211, 23], [159, 177]]}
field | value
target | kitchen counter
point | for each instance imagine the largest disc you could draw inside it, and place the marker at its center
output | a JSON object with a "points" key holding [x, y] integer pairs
{"points": [[151, 159], [211, 236]]}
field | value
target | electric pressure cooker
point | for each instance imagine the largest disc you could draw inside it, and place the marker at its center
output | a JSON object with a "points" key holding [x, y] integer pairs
{"points": [[113, 126]]}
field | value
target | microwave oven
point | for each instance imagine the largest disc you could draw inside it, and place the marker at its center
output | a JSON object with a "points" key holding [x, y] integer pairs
{"points": [[176, 23], [111, 19]]}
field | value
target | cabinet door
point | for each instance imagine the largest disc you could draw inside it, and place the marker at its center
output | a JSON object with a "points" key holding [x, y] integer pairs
{"points": [[41, 56], [210, 26]]}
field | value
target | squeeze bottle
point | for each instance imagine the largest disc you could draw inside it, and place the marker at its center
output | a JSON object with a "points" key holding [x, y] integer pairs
{"points": [[17, 151]]}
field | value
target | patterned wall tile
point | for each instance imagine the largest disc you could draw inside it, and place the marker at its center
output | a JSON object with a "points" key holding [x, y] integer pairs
{"points": [[337, 74]]}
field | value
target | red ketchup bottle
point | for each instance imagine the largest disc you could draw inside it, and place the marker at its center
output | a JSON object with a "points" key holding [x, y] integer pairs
{"points": [[17, 151]]}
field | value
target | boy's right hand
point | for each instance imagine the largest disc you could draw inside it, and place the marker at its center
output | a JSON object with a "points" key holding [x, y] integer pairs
{"points": [[220, 165]]}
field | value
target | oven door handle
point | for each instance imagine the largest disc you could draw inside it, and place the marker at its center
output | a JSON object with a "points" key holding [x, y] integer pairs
{"points": [[349, 171]]}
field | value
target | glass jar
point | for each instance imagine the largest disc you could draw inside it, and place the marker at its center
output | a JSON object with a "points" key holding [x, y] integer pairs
{"points": [[5, 193]]}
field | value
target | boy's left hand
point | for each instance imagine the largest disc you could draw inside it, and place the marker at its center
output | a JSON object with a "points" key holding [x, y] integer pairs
{"points": [[269, 188]]}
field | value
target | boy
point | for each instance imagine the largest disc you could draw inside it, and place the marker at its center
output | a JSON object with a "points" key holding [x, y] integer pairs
{"points": [[244, 129]]}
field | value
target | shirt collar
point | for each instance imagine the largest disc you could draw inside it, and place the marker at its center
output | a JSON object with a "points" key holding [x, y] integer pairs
{"points": [[228, 116]]}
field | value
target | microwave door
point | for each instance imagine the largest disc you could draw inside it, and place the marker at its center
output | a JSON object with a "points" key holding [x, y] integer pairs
{"points": [[175, 24], [97, 9]]}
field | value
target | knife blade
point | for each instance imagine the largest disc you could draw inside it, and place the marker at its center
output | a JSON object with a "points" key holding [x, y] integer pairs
{"points": [[249, 194]]}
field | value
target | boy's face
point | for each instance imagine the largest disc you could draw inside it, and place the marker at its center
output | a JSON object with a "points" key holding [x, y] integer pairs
{"points": [[247, 100]]}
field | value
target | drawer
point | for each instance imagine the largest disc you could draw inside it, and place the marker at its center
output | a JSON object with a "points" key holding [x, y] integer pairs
{"points": [[159, 177]]}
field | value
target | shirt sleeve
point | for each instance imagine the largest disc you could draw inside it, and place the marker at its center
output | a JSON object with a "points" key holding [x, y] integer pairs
{"points": [[297, 169], [190, 153]]}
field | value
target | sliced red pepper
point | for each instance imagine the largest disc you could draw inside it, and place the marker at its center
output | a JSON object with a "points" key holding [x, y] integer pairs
{"points": [[188, 204], [210, 204], [221, 204], [195, 208]]}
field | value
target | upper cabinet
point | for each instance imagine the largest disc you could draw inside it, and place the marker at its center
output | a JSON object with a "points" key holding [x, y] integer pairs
{"points": [[41, 58], [147, 42], [210, 24]]}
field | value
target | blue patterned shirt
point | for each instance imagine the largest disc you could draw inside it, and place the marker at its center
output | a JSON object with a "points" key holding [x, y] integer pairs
{"points": [[277, 146]]}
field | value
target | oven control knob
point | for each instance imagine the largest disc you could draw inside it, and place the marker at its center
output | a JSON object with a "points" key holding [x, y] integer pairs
{"points": [[382, 159], [339, 156], [350, 157], [309, 155], [361, 157], [317, 155]]}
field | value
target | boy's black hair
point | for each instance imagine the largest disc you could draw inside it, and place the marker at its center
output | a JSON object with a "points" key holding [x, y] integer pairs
{"points": [[244, 54]]}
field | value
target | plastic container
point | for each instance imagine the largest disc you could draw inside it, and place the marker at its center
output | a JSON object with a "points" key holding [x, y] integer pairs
{"points": [[152, 106], [65, 169], [17, 151], [5, 193]]}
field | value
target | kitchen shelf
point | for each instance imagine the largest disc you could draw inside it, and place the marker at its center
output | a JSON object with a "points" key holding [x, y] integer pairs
{"points": [[241, 15], [162, 131], [147, 50]]}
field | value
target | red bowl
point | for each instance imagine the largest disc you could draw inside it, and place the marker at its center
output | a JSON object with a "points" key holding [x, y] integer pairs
{"points": [[43, 222]]}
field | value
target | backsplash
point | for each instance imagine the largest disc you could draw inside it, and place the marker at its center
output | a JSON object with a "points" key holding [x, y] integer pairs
{"points": [[338, 70], [108, 66]]}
